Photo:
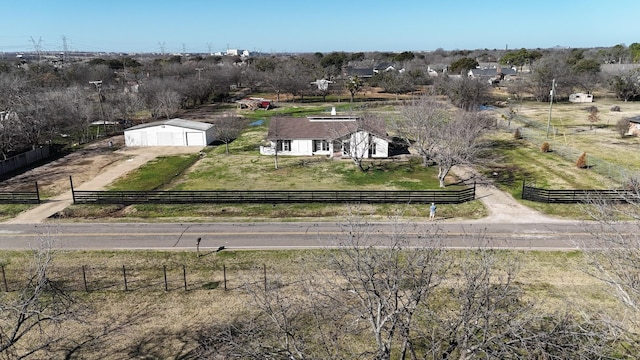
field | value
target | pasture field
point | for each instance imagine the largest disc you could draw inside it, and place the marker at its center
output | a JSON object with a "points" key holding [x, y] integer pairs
{"points": [[147, 321]]}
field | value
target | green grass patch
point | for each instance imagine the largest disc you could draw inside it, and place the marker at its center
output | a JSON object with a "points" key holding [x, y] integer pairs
{"points": [[8, 211], [266, 212], [155, 174]]}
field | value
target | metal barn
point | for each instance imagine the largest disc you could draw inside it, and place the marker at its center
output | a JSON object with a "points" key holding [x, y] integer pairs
{"points": [[173, 132]]}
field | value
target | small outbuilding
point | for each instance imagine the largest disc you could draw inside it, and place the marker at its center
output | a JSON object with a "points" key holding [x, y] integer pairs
{"points": [[581, 98], [173, 132]]}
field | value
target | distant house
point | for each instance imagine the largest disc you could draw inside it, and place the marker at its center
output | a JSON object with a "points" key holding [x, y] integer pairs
{"points": [[332, 136], [173, 132], [492, 74], [634, 126], [581, 98], [362, 73]]}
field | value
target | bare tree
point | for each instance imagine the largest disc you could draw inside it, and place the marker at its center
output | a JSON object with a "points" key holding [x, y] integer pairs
{"points": [[160, 99], [459, 141], [30, 317], [419, 125], [622, 127], [357, 137], [353, 85], [10, 136], [228, 129], [465, 93], [388, 281], [438, 135], [614, 255]]}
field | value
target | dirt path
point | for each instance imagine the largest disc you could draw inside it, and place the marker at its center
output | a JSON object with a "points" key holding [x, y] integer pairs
{"points": [[502, 207], [91, 169]]}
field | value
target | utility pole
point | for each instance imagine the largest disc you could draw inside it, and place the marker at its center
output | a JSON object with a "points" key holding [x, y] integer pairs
{"points": [[199, 70], [37, 47], [551, 94], [98, 84]]}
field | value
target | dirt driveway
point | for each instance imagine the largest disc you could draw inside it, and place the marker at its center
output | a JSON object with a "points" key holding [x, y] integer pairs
{"points": [[91, 168]]}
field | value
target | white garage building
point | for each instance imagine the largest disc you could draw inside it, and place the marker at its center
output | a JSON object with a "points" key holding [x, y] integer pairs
{"points": [[173, 132]]}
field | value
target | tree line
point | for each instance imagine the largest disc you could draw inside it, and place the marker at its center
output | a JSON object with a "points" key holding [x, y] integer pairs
{"points": [[43, 102]]}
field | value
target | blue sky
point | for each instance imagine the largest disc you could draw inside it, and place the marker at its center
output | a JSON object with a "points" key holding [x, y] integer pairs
{"points": [[314, 25]]}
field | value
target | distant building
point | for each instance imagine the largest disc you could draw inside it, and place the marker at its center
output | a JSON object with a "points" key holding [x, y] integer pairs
{"points": [[581, 98], [237, 52], [332, 136], [173, 132]]}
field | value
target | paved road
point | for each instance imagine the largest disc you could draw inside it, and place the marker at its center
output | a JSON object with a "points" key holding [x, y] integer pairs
{"points": [[509, 224], [554, 235]]}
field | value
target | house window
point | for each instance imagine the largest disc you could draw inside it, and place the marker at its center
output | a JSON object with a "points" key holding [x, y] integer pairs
{"points": [[320, 145], [373, 148], [283, 145], [346, 146]]}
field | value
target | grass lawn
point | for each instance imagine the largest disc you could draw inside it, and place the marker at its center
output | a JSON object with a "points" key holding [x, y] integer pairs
{"points": [[570, 126]]}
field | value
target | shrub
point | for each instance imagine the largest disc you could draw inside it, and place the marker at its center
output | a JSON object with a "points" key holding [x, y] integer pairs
{"points": [[545, 147], [622, 127], [593, 115], [582, 161], [517, 135], [615, 108]]}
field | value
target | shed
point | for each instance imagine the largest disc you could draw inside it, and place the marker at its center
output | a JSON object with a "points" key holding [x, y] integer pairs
{"points": [[173, 132], [581, 98]]}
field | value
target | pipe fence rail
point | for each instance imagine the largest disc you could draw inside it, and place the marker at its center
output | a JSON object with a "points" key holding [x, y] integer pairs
{"points": [[554, 196], [273, 197], [20, 197]]}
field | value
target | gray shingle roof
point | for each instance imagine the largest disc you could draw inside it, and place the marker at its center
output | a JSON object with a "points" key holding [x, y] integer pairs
{"points": [[188, 124], [320, 128]]}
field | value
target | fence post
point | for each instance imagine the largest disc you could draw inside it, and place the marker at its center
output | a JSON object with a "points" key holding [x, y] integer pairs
{"points": [[166, 285], [522, 194], [224, 276], [4, 279], [184, 276], [264, 270], [474, 190], [84, 279], [124, 275], [73, 194], [37, 193]]}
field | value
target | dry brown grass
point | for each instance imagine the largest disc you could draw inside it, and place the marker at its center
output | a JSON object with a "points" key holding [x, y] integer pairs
{"points": [[165, 324], [570, 126]]}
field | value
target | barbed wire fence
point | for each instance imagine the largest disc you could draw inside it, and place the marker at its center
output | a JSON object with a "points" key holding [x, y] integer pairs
{"points": [[130, 278]]}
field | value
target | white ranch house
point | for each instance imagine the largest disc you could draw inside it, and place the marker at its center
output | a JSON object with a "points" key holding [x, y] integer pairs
{"points": [[332, 136], [173, 132]]}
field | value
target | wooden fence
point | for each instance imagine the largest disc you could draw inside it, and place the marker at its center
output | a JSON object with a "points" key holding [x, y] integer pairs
{"points": [[21, 160], [20, 197], [274, 197], [577, 196]]}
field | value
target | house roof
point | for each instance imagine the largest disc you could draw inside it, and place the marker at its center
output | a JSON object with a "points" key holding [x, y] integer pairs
{"points": [[321, 128], [187, 124], [493, 71], [360, 72], [635, 119]]}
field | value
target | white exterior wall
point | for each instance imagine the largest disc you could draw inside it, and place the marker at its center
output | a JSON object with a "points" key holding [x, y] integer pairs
{"points": [[362, 141], [305, 147], [168, 135], [298, 148], [382, 148]]}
